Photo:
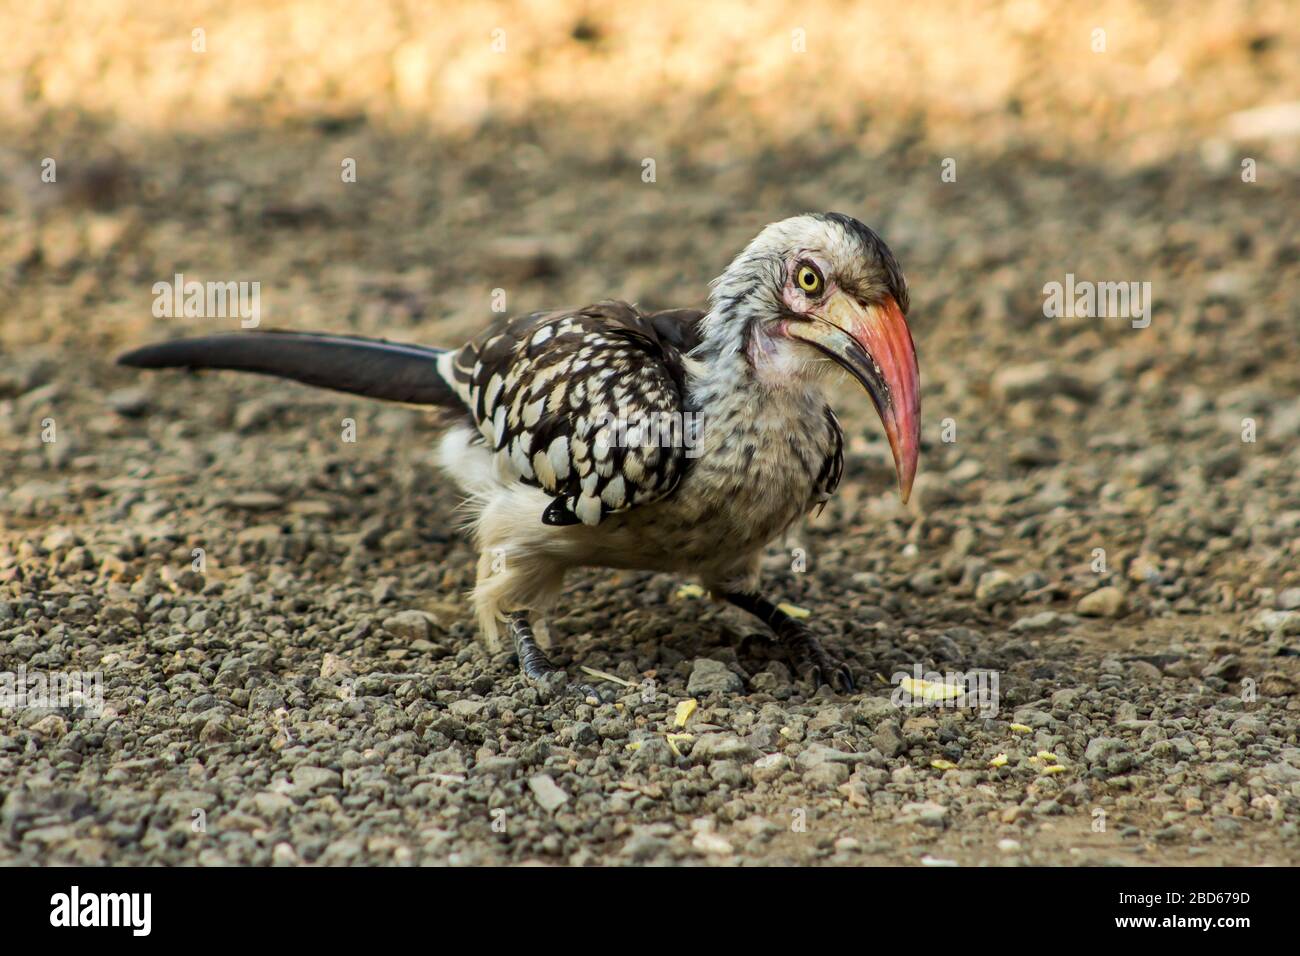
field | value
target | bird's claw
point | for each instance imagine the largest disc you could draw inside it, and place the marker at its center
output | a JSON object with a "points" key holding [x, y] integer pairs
{"points": [[818, 667], [584, 692], [555, 684], [834, 674]]}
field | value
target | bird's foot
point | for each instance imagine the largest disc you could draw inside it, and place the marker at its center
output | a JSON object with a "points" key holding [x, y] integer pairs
{"points": [[802, 648], [555, 683], [539, 670], [811, 661]]}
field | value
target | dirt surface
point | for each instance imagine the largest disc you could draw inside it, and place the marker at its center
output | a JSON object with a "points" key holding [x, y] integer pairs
{"points": [[1106, 518]]}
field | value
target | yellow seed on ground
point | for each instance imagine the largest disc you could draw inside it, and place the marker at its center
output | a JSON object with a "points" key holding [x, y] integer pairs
{"points": [[795, 611], [930, 690], [684, 711], [672, 741], [999, 761], [1055, 768], [943, 764], [1021, 729], [690, 591], [634, 745], [1046, 755]]}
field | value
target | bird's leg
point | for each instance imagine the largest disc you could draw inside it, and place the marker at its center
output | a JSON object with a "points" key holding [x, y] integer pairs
{"points": [[532, 659], [534, 663], [805, 651]]}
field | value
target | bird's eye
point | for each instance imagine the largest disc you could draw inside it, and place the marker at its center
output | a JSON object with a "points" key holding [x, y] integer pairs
{"points": [[809, 279]]}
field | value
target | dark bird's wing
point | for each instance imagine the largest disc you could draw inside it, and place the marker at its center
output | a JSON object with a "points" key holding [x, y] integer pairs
{"points": [[371, 367], [832, 470], [588, 405]]}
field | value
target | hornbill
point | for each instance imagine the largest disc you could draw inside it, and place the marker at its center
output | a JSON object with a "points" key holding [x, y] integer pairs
{"points": [[556, 433]]}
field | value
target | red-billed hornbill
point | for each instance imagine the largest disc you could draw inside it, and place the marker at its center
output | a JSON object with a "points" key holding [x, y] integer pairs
{"points": [[558, 434]]}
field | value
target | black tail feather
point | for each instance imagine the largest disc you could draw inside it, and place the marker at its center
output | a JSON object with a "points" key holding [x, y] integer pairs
{"points": [[370, 367]]}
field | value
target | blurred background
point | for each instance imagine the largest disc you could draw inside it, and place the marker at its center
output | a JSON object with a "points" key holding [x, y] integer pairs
{"points": [[501, 144], [998, 147]]}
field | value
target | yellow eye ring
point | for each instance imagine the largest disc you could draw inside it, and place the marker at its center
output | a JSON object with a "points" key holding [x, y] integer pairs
{"points": [[809, 279]]}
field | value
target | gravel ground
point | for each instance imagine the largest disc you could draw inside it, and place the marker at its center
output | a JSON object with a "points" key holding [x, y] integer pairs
{"points": [[1088, 525]]}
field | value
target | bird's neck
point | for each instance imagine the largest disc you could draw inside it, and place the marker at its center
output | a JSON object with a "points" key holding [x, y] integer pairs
{"points": [[737, 362], [749, 378]]}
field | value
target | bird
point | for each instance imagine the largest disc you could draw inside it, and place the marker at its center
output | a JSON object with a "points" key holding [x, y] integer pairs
{"points": [[680, 441]]}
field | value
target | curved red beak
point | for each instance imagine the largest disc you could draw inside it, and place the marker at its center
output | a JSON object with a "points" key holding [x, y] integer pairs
{"points": [[874, 344]]}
